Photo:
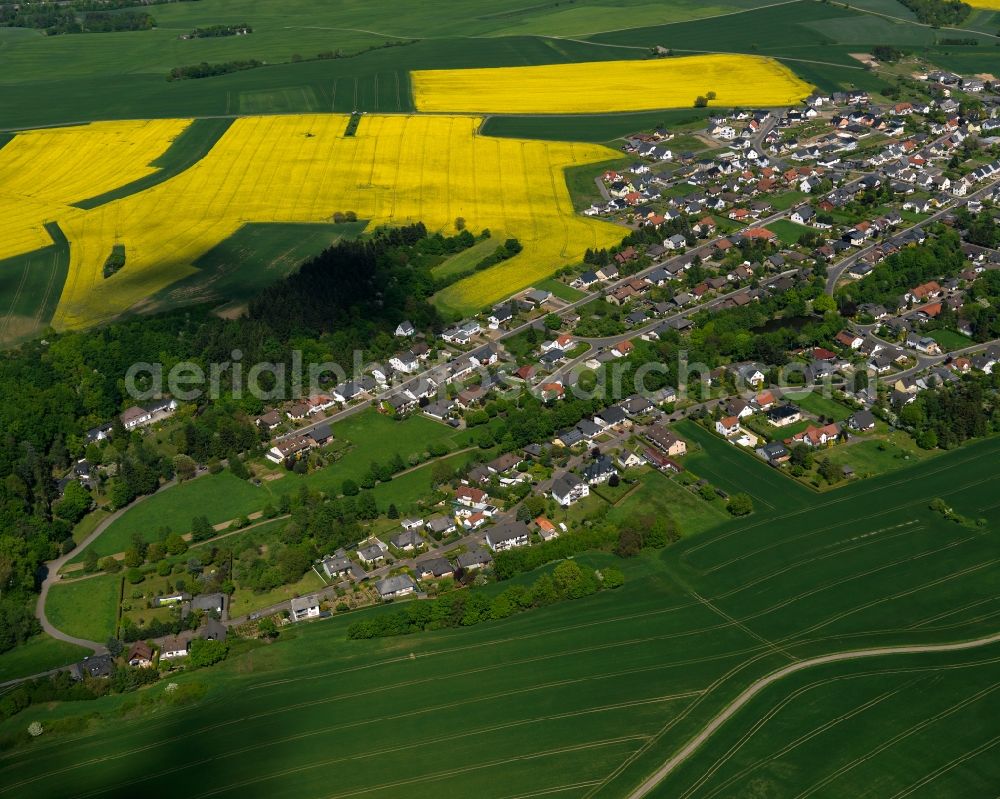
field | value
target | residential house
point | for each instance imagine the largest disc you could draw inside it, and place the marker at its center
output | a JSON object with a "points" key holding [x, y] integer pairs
{"points": [[305, 607], [398, 585], [568, 489], [434, 568], [599, 470], [507, 535], [666, 440], [728, 426]]}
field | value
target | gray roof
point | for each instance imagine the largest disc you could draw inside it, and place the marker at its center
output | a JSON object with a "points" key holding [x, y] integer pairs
{"points": [[475, 556], [394, 584], [507, 531], [439, 567], [565, 483]]}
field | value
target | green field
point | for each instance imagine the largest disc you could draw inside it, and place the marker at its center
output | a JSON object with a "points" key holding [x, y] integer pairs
{"points": [[788, 232], [814, 402], [220, 497], [561, 290], [602, 128], [590, 697], [950, 339], [251, 259], [38, 655], [30, 285], [85, 608]]}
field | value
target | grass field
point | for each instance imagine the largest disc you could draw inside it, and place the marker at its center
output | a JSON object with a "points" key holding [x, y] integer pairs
{"points": [[591, 88], [587, 698], [85, 608], [287, 169], [950, 339], [788, 232], [560, 289], [244, 601], [814, 402], [221, 497], [39, 654]]}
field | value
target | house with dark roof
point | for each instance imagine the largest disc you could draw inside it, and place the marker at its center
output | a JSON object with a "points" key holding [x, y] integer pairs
{"points": [[507, 535]]}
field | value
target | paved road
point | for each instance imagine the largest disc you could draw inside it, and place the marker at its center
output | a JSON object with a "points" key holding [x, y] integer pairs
{"points": [[52, 568], [837, 270], [760, 685]]}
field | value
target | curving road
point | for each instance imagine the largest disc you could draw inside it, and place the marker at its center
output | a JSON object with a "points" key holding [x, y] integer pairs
{"points": [[52, 568], [757, 687]]}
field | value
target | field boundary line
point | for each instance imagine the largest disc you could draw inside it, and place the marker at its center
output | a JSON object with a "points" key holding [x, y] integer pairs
{"points": [[761, 684], [741, 626]]}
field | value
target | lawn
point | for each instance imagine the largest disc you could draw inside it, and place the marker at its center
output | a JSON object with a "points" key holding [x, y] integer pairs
{"points": [[877, 456], [245, 601], [787, 231], [85, 608], [814, 402], [39, 654], [785, 200], [950, 339], [662, 494], [405, 491], [466, 260], [88, 524], [375, 437], [220, 497], [560, 289], [601, 691]]}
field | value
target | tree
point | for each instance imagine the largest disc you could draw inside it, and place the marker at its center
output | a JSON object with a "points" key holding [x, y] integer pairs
{"points": [[205, 652], [132, 558], [75, 503], [134, 576], [90, 561], [614, 481], [156, 551], [111, 565], [238, 467], [175, 544], [706, 492], [740, 504], [184, 467], [201, 529], [613, 578], [266, 628], [349, 488], [114, 647], [459, 223], [552, 321], [392, 512], [824, 303]]}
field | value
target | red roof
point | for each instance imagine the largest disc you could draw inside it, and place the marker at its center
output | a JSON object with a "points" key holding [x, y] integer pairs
{"points": [[759, 233]]}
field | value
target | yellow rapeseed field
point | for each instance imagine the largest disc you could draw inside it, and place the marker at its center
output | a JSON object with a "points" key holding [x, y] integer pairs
{"points": [[609, 86], [395, 169], [993, 5], [43, 171]]}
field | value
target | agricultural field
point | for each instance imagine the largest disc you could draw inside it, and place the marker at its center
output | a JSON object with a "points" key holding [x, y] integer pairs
{"points": [[40, 653], [289, 169], [592, 697], [725, 80]]}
